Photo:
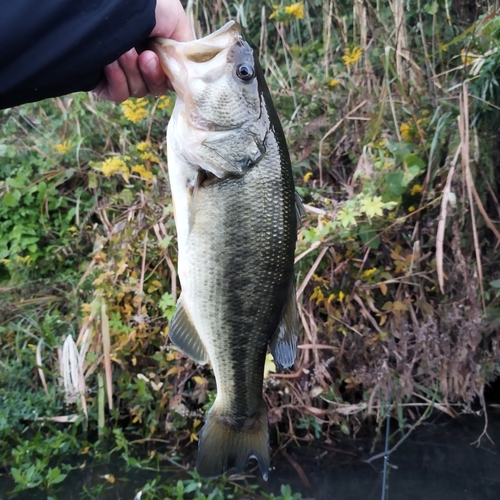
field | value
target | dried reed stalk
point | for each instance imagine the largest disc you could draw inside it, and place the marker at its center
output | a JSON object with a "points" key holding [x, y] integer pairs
{"points": [[463, 126], [39, 366], [106, 346], [442, 222]]}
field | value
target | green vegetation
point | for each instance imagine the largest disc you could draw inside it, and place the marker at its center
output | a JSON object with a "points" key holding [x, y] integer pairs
{"points": [[391, 111]]}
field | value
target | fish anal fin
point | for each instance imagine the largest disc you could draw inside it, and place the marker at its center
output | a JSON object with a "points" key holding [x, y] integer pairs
{"points": [[224, 446], [183, 334], [283, 344]]}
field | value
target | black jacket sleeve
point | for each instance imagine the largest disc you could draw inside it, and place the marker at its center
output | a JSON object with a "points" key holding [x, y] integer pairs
{"points": [[50, 48]]}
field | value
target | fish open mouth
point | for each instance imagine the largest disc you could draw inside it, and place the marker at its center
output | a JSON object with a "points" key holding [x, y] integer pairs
{"points": [[174, 55]]}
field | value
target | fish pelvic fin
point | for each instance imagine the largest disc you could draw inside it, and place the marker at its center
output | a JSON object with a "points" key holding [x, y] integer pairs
{"points": [[184, 335], [300, 211], [283, 344], [226, 445]]}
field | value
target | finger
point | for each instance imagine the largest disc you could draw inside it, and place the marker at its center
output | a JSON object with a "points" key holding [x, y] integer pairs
{"points": [[154, 77], [182, 31], [114, 85], [129, 65]]}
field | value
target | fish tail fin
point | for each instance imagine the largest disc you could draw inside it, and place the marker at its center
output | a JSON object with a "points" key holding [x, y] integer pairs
{"points": [[227, 445]]}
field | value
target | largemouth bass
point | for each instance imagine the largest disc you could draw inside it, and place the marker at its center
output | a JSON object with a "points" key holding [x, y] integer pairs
{"points": [[235, 213]]}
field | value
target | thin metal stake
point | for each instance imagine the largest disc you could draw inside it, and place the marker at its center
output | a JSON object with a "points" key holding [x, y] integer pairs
{"points": [[386, 449]]}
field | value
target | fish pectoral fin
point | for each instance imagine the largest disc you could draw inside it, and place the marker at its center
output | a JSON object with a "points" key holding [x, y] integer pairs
{"points": [[300, 211], [193, 189], [283, 344], [183, 334]]}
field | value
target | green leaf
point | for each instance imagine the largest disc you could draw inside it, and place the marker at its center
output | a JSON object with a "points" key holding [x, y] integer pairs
{"points": [[190, 487], [55, 476], [127, 197], [9, 200], [395, 183], [431, 8], [165, 242], [372, 206], [167, 305], [92, 178], [368, 236], [17, 475], [347, 217], [7, 151], [18, 181], [495, 283], [414, 163]]}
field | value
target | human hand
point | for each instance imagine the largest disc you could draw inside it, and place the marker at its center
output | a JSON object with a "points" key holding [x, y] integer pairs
{"points": [[136, 75]]}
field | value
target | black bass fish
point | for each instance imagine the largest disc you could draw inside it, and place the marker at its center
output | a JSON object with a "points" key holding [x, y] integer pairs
{"points": [[236, 216]]}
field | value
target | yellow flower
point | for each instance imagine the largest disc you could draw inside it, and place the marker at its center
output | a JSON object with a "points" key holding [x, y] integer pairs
{"points": [[369, 272], [25, 260], [341, 296], [86, 308], [411, 209], [333, 83], [114, 165], [468, 57], [164, 102], [407, 132], [150, 157], [318, 295], [417, 188], [275, 12], [295, 10], [135, 110], [269, 366], [308, 176], [142, 146], [141, 170], [352, 55], [63, 148]]}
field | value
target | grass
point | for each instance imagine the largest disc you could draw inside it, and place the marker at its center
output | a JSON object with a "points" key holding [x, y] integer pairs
{"points": [[390, 112]]}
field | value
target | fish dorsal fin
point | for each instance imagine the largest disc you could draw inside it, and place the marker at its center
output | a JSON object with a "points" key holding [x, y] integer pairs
{"points": [[300, 211], [184, 335], [283, 343]]}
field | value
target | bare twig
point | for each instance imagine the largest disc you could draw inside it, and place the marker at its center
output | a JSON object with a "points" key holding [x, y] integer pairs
{"points": [[39, 366]]}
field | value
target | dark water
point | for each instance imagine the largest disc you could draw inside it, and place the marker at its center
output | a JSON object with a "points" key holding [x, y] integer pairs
{"points": [[436, 462]]}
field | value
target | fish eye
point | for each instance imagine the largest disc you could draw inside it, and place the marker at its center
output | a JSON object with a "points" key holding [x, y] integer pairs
{"points": [[245, 72]]}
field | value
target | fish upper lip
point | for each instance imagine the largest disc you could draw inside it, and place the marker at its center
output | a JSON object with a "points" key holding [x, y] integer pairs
{"points": [[224, 38], [231, 26], [173, 54]]}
